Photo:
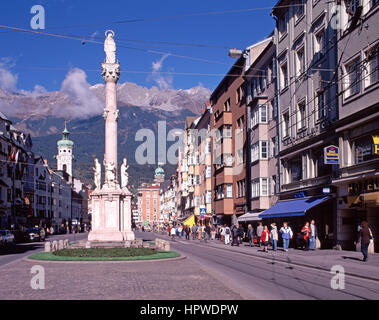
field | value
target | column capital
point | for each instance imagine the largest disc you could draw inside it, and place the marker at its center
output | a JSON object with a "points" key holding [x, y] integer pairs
{"points": [[110, 71]]}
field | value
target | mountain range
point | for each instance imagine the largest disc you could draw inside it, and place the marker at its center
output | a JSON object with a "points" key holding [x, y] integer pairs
{"points": [[42, 114]]}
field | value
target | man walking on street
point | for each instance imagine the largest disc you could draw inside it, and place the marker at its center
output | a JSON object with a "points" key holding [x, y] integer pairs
{"points": [[365, 236], [312, 239], [235, 236], [287, 234], [207, 233], [240, 234], [250, 234], [187, 230], [194, 231], [259, 232], [227, 233]]}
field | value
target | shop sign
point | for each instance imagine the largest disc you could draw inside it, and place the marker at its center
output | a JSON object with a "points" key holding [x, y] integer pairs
{"points": [[331, 155], [357, 188], [375, 147]]}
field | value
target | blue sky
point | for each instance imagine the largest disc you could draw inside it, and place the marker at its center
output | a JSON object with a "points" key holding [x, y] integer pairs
{"points": [[45, 61]]}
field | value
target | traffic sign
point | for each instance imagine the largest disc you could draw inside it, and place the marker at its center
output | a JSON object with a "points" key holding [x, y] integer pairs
{"points": [[203, 211], [202, 217]]}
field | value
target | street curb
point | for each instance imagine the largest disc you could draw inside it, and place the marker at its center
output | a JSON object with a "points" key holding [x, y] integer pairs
{"points": [[182, 257], [299, 264]]}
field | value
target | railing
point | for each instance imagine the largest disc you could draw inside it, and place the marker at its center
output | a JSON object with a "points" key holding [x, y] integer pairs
{"points": [[306, 183]]}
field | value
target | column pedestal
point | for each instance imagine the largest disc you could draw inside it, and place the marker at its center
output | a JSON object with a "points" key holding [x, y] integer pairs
{"points": [[111, 216]]}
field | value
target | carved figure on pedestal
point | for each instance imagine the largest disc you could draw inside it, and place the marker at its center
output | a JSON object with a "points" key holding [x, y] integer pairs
{"points": [[124, 173], [110, 173], [97, 174], [110, 47]]}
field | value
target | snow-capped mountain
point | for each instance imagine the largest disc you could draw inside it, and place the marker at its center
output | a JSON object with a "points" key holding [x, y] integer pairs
{"points": [[80, 100]]}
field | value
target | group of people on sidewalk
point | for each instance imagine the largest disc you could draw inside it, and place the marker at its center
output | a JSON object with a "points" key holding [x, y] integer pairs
{"points": [[262, 236]]}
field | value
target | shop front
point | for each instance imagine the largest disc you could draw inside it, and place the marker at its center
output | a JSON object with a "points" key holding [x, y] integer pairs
{"points": [[296, 212], [358, 200]]}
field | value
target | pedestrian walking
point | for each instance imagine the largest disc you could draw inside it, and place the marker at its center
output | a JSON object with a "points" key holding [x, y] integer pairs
{"points": [[173, 233], [306, 232], [227, 233], [187, 231], [365, 236], [213, 233], [265, 238], [207, 232], [194, 231], [250, 235], [314, 235], [222, 234], [241, 233], [235, 235], [274, 236], [287, 234], [259, 232]]}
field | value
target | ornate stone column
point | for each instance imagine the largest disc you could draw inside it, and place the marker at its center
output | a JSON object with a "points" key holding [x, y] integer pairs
{"points": [[111, 74], [111, 205]]}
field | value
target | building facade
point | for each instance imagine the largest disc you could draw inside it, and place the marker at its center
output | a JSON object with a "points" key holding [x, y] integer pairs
{"points": [[228, 126], [358, 125]]}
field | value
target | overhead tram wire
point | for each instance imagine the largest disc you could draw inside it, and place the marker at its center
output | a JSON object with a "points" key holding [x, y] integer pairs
{"points": [[88, 39], [158, 18]]}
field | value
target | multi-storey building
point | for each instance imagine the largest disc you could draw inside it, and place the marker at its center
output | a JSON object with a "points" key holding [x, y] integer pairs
{"points": [[14, 147], [306, 58], [186, 170], [228, 126], [168, 200], [358, 125], [262, 119], [203, 169], [135, 215], [61, 199], [149, 199]]}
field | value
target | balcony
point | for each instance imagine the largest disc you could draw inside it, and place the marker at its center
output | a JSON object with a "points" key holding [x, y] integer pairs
{"points": [[364, 167], [308, 183]]}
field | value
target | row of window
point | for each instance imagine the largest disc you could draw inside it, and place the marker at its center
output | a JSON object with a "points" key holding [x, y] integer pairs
{"points": [[361, 70], [260, 187]]}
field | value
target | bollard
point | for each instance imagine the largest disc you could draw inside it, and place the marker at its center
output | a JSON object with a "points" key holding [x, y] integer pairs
{"points": [[60, 245], [47, 246], [88, 244], [166, 246], [65, 243], [54, 246]]}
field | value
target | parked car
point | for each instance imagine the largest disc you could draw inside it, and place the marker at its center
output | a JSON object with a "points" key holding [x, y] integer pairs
{"points": [[7, 237], [19, 236], [32, 234]]}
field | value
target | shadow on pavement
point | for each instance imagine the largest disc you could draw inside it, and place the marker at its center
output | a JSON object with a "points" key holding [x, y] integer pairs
{"points": [[18, 248], [351, 258]]}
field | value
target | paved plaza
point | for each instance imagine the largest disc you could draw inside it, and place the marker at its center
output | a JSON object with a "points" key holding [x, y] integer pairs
{"points": [[157, 280]]}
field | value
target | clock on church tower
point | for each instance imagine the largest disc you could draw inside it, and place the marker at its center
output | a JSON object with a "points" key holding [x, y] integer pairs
{"points": [[65, 157]]}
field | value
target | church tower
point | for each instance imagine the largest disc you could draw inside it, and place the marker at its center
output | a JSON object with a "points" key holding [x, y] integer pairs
{"points": [[65, 157]]}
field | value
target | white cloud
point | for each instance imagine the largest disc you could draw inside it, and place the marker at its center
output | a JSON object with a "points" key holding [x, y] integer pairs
{"points": [[84, 101], [8, 80], [157, 65], [93, 35], [163, 82]]}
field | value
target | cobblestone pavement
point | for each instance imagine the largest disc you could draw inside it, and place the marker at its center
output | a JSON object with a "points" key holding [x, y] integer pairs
{"points": [[159, 280]]}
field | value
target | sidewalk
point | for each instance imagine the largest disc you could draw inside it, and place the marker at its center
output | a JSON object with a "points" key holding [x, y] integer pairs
{"points": [[319, 259]]}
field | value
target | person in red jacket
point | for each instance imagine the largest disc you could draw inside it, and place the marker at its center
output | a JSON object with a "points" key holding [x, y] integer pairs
{"points": [[265, 238], [306, 232]]}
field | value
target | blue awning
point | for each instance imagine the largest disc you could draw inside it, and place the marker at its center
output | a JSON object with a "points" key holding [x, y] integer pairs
{"points": [[290, 208]]}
